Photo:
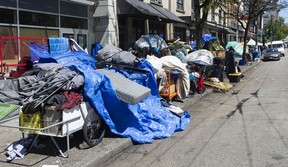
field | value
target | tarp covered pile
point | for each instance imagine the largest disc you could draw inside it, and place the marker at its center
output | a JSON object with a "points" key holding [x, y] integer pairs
{"points": [[141, 122]]}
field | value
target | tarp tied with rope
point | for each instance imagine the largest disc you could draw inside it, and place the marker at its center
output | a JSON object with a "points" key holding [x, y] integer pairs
{"points": [[141, 122]]}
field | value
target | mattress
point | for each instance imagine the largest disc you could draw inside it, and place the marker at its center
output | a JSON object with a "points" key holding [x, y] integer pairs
{"points": [[127, 91]]}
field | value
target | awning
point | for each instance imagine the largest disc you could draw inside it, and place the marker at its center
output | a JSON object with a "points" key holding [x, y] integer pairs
{"points": [[228, 31], [169, 15], [135, 8], [83, 2]]}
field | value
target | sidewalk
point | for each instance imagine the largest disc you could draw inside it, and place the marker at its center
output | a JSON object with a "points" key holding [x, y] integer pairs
{"points": [[78, 156]]}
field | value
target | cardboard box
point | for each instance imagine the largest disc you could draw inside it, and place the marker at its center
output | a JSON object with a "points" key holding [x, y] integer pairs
{"points": [[172, 86], [219, 53]]}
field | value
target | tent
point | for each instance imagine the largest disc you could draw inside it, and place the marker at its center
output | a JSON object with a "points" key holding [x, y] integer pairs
{"points": [[251, 42], [238, 47], [202, 57], [153, 41]]}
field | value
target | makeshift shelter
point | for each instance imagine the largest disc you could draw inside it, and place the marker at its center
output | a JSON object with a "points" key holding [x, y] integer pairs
{"points": [[201, 57], [150, 41], [238, 48], [142, 122]]}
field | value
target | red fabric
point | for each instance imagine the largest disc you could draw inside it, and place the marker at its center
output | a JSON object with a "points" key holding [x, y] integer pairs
{"points": [[73, 99], [200, 83]]}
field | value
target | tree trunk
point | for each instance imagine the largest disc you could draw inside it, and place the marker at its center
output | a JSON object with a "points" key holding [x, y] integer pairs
{"points": [[245, 40], [199, 36]]}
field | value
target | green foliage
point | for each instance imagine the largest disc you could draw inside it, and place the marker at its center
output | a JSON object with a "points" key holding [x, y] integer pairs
{"points": [[276, 30], [214, 45]]}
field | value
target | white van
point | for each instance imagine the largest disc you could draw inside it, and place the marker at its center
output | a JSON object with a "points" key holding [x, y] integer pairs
{"points": [[279, 45]]}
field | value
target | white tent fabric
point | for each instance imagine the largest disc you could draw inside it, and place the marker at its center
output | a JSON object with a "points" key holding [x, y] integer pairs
{"points": [[202, 57], [251, 42], [183, 82]]}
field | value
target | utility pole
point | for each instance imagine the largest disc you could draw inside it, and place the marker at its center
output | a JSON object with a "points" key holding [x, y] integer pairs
{"points": [[271, 36], [256, 31]]}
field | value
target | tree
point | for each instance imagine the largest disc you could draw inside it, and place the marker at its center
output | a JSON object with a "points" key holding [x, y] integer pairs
{"points": [[200, 21], [276, 29], [246, 13]]}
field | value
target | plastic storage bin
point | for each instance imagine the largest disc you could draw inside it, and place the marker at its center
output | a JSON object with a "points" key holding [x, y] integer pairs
{"points": [[234, 77], [30, 121], [50, 117]]}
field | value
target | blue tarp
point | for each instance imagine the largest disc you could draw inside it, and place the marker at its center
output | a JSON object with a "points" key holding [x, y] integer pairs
{"points": [[141, 122], [205, 38]]}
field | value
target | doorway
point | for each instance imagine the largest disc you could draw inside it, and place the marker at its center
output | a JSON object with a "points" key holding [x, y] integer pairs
{"points": [[80, 36]]}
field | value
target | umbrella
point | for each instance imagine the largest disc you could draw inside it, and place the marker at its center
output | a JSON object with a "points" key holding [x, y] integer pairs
{"points": [[202, 57]]}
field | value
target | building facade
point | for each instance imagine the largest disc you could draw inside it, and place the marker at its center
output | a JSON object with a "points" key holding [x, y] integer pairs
{"points": [[117, 22], [47, 18]]}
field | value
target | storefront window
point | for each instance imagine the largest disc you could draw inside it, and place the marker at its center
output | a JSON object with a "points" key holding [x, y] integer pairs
{"points": [[69, 9], [156, 28], [40, 5], [38, 19], [71, 22], [8, 3], [180, 32], [38, 32], [8, 31], [137, 30], [8, 16]]}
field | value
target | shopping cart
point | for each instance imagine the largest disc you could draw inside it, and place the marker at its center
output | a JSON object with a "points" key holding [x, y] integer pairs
{"points": [[61, 124]]}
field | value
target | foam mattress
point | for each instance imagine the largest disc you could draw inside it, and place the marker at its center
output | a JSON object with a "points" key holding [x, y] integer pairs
{"points": [[127, 91]]}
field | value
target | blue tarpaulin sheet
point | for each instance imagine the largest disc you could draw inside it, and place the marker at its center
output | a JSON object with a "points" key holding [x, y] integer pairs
{"points": [[141, 122], [205, 38]]}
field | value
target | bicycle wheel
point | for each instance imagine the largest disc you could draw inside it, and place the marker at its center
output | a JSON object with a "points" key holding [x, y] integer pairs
{"points": [[93, 128]]}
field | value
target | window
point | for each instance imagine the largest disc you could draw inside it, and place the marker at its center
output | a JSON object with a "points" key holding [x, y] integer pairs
{"points": [[8, 31], [224, 19], [220, 17], [180, 5], [157, 28], [180, 32], [40, 5], [38, 19], [8, 16], [69, 9], [8, 3], [38, 32], [71, 22], [156, 1], [212, 15]]}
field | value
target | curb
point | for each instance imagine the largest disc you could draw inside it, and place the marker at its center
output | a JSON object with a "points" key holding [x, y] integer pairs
{"points": [[106, 154]]}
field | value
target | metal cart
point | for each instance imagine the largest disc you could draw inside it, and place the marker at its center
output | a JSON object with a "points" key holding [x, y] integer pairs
{"points": [[82, 116]]}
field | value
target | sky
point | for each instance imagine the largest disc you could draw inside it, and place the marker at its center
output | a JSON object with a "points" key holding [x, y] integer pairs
{"points": [[284, 13]]}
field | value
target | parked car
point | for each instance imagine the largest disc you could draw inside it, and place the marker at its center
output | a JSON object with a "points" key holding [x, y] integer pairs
{"points": [[272, 54], [278, 45]]}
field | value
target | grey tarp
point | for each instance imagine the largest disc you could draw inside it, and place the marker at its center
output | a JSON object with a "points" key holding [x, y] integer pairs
{"points": [[9, 91], [39, 83]]}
